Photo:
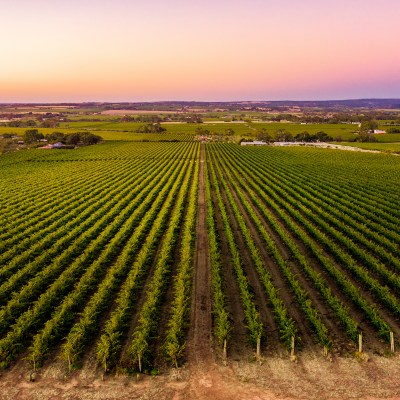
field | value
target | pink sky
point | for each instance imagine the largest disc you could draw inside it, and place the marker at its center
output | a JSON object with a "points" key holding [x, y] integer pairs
{"points": [[121, 50]]}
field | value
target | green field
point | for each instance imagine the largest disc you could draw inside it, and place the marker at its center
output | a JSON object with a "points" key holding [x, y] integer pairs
{"points": [[110, 128], [240, 128]]}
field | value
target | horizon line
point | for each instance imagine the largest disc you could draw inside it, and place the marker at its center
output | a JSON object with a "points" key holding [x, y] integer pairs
{"points": [[197, 101]]}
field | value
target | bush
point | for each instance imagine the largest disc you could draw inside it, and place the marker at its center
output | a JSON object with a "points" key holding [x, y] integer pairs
{"points": [[366, 137]]}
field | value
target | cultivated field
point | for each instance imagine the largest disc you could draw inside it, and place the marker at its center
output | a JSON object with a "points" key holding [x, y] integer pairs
{"points": [[83, 233], [125, 257], [311, 242]]}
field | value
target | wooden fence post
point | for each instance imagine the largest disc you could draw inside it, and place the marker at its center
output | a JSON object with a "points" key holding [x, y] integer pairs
{"points": [[224, 352], [360, 343], [140, 363], [391, 342], [292, 348]]}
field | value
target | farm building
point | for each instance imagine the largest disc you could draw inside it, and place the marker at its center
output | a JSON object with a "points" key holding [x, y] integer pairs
{"points": [[255, 143], [288, 144], [57, 145]]}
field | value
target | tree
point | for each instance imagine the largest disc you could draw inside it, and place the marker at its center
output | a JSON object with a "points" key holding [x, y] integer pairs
{"points": [[201, 131], [282, 135], [193, 118], [49, 123], [321, 136], [73, 138], [150, 128], [127, 118], [368, 126], [14, 124], [85, 138], [303, 137], [264, 136], [55, 137], [89, 138], [32, 136]]}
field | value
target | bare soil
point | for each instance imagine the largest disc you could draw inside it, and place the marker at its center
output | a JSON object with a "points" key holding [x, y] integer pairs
{"points": [[312, 377], [199, 340]]}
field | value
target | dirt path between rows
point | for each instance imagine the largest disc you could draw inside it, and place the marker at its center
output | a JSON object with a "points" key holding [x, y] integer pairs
{"points": [[199, 341]]}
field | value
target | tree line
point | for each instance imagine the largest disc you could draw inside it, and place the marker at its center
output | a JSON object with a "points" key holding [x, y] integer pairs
{"points": [[85, 138]]}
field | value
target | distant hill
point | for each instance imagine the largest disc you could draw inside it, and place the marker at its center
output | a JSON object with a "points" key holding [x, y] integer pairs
{"points": [[354, 103], [324, 104], [231, 105]]}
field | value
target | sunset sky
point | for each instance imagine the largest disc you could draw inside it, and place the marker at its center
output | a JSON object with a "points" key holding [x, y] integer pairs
{"points": [[136, 50]]}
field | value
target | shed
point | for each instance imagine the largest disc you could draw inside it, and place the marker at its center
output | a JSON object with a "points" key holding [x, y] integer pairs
{"points": [[255, 143]]}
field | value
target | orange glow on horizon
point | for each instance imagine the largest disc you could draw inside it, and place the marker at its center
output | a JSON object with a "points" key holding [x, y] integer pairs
{"points": [[210, 52]]}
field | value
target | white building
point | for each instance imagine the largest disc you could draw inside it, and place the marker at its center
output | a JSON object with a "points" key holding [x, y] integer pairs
{"points": [[255, 143]]}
